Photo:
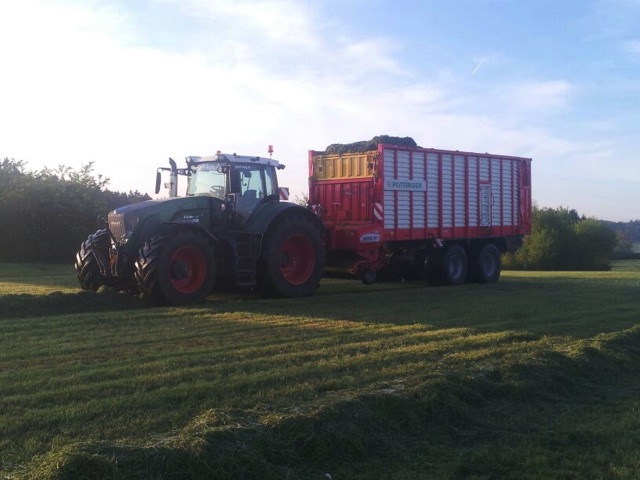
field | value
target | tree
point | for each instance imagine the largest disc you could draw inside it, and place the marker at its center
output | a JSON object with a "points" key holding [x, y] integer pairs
{"points": [[624, 247], [302, 199], [594, 245]]}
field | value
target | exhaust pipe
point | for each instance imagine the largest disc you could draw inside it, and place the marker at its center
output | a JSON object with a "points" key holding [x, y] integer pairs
{"points": [[173, 178]]}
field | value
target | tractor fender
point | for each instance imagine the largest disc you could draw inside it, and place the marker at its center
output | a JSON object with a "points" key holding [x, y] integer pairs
{"points": [[269, 214], [152, 215], [150, 226]]}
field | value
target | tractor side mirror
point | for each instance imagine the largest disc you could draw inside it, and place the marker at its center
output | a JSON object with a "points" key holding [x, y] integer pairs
{"points": [[158, 181]]}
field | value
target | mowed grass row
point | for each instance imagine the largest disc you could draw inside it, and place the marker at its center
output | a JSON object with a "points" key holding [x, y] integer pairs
{"points": [[534, 377]]}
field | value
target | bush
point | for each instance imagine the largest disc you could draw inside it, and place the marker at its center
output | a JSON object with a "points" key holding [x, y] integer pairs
{"points": [[47, 214], [562, 240]]}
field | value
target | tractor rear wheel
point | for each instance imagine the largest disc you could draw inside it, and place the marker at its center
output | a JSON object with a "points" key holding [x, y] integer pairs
{"points": [[175, 269], [87, 268], [292, 258]]}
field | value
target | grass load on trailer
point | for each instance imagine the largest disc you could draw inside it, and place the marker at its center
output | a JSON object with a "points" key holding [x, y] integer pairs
{"points": [[394, 210]]}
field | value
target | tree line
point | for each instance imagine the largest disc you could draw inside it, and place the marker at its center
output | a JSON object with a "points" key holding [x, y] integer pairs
{"points": [[46, 214], [628, 234]]}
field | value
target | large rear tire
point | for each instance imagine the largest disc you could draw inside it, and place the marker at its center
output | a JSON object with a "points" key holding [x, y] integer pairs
{"points": [[87, 268], [175, 269], [292, 258], [486, 265]]}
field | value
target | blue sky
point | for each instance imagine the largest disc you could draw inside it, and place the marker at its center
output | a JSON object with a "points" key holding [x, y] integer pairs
{"points": [[127, 84]]}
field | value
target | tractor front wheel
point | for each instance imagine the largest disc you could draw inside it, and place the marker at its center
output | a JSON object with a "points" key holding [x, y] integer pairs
{"points": [[175, 269], [86, 265], [292, 258]]}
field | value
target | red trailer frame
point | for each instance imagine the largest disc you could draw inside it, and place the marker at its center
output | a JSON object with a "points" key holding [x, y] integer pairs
{"points": [[375, 203]]}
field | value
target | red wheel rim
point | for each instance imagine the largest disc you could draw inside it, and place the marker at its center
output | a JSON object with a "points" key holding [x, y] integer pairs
{"points": [[187, 269], [297, 259]]}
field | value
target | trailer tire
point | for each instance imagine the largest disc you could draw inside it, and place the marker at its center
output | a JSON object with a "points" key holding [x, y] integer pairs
{"points": [[453, 265], [176, 268], [87, 268], [292, 258], [487, 264]]}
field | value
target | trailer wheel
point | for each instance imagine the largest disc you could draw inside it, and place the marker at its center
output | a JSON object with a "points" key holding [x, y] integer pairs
{"points": [[292, 258], [487, 264], [87, 268], [453, 265], [175, 269]]}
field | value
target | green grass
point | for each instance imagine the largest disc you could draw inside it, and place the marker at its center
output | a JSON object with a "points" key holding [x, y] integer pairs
{"points": [[36, 279], [534, 377]]}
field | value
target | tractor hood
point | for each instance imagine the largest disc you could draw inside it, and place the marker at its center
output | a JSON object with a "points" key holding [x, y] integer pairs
{"points": [[131, 222]]}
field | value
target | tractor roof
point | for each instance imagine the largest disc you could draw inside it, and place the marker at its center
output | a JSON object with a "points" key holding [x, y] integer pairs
{"points": [[234, 158]]}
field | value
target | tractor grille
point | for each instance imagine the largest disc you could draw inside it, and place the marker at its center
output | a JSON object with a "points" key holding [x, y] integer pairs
{"points": [[116, 225]]}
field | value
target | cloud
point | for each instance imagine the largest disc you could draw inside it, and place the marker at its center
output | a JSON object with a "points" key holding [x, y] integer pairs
{"points": [[553, 94], [85, 84], [76, 93], [282, 21], [373, 55], [631, 46], [613, 19]]}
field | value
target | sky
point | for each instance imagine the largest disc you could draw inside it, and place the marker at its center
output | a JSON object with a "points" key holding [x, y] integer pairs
{"points": [[127, 84]]}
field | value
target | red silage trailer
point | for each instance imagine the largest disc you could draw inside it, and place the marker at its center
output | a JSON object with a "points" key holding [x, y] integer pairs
{"points": [[412, 212]]}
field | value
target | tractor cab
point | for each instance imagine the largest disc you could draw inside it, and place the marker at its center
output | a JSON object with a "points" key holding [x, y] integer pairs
{"points": [[240, 183], [237, 185]]}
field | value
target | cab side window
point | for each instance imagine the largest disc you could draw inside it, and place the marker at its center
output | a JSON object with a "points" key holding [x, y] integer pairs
{"points": [[251, 190], [271, 181]]}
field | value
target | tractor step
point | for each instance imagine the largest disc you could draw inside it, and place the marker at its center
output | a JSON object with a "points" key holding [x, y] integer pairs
{"points": [[247, 254]]}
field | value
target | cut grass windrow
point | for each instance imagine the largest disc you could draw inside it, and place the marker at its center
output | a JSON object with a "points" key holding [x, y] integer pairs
{"points": [[370, 435]]}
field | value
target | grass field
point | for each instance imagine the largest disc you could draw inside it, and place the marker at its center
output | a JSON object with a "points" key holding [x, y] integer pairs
{"points": [[535, 377]]}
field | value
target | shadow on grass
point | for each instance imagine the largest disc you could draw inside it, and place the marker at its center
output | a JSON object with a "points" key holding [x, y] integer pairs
{"points": [[59, 303], [577, 307], [547, 307], [438, 424]]}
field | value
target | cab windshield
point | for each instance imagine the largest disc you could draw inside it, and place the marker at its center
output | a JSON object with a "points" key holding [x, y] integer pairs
{"points": [[249, 182], [208, 179]]}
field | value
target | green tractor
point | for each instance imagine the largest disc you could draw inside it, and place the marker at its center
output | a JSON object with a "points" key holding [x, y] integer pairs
{"points": [[230, 230]]}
